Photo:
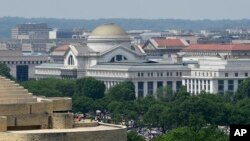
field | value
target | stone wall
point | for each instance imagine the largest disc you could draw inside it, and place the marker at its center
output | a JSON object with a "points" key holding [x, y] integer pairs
{"points": [[3, 123], [105, 135], [62, 121]]}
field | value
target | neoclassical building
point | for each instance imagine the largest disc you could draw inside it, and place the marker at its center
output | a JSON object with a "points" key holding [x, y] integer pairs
{"points": [[108, 55], [216, 75]]}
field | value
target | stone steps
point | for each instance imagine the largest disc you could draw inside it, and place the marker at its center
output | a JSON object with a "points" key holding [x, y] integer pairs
{"points": [[19, 100], [11, 93]]}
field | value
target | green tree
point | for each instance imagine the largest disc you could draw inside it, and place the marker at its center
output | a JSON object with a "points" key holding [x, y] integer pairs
{"points": [[82, 104], [243, 90], [125, 91], [66, 87], [164, 93], [186, 134], [5, 71], [240, 112], [133, 136], [90, 87]]}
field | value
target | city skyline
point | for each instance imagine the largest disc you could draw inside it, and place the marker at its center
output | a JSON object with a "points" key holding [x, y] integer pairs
{"points": [[157, 9]]}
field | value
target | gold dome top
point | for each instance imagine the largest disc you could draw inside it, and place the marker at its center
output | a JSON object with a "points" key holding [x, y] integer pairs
{"points": [[108, 30]]}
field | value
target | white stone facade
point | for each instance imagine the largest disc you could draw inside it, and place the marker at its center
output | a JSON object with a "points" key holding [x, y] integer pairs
{"points": [[109, 56], [216, 76]]}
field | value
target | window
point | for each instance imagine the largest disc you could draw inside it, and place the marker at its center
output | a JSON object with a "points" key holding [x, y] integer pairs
{"points": [[150, 87], [159, 84], [178, 85], [177, 73], [221, 86], [236, 74], [231, 85], [180, 73], [246, 74], [226, 74], [22, 72], [140, 89], [170, 84], [71, 60], [118, 58]]}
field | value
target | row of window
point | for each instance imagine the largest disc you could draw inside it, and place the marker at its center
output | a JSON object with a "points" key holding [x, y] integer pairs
{"points": [[230, 86], [107, 73], [22, 62], [158, 74], [205, 74], [150, 87], [236, 74]]}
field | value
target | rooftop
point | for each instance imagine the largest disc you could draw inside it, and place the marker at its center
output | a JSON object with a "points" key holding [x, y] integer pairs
{"points": [[218, 47]]}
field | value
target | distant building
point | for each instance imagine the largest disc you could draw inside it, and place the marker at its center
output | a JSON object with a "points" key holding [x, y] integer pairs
{"points": [[30, 31], [21, 67], [57, 55], [157, 47], [109, 56], [216, 76], [218, 50]]}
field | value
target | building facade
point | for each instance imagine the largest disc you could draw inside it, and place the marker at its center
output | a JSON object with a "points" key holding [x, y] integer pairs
{"points": [[216, 76], [21, 67], [30, 31], [218, 50], [158, 47], [108, 55]]}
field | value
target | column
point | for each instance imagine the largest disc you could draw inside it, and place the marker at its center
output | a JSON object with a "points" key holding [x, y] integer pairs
{"points": [[191, 87], [188, 82], [154, 86], [145, 88], [108, 84], [164, 83], [174, 86], [235, 85], [183, 82], [211, 86], [206, 83], [136, 89], [195, 87], [225, 85]]}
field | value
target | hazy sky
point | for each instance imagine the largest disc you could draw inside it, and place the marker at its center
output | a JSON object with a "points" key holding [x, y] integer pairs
{"points": [[148, 9]]}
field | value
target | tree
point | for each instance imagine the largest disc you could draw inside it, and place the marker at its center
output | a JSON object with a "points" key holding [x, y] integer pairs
{"points": [[82, 104], [5, 71], [243, 90], [164, 93], [90, 87], [186, 134], [66, 87], [125, 91], [240, 112], [133, 136]]}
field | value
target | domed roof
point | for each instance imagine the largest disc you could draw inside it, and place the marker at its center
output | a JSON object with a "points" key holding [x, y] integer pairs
{"points": [[110, 29]]}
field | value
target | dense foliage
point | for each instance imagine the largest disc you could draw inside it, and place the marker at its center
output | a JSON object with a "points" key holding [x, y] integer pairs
{"points": [[179, 114], [5, 71], [188, 134]]}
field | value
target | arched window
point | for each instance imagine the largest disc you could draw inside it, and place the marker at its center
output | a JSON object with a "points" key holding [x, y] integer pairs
{"points": [[118, 58], [71, 60]]}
